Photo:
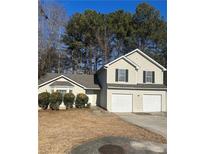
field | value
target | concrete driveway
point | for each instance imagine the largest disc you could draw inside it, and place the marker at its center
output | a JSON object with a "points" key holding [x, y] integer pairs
{"points": [[156, 122]]}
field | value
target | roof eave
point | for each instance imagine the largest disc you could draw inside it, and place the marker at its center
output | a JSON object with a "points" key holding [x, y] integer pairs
{"points": [[60, 77], [122, 57], [132, 88], [152, 60], [137, 50]]}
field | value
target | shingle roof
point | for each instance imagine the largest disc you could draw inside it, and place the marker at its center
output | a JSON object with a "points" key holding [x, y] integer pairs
{"points": [[137, 86], [61, 83], [86, 80]]}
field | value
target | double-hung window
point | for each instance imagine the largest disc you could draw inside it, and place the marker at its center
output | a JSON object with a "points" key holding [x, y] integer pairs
{"points": [[121, 75], [148, 76]]}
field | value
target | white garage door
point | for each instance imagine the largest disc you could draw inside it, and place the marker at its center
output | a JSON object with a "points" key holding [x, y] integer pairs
{"points": [[121, 103], [152, 103]]}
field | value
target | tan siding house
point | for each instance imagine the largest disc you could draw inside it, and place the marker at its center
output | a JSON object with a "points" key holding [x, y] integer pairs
{"points": [[146, 65], [74, 83], [134, 84], [130, 83]]}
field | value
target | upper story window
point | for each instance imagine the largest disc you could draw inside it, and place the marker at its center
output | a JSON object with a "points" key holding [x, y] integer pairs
{"points": [[148, 77], [121, 75]]}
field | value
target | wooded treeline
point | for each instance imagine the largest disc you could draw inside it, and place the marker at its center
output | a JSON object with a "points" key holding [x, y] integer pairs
{"points": [[86, 41]]}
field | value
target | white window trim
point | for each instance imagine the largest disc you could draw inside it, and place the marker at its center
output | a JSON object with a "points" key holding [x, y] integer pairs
{"points": [[121, 75], [148, 76]]}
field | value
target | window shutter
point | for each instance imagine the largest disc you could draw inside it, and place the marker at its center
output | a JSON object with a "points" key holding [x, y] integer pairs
{"points": [[144, 73], [126, 75], [116, 75], [153, 77]]}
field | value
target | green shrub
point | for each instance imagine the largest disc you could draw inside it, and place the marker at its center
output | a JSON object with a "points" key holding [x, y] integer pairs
{"points": [[55, 100], [69, 100], [81, 100], [43, 100]]}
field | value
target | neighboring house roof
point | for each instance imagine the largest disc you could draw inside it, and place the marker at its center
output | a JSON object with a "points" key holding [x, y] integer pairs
{"points": [[137, 86], [134, 64], [86, 81], [61, 83]]}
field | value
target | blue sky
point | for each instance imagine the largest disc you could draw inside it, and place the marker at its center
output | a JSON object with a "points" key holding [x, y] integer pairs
{"points": [[107, 6]]}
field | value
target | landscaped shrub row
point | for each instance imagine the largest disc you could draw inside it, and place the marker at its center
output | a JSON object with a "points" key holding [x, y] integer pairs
{"points": [[69, 100], [81, 100], [55, 99], [43, 100]]}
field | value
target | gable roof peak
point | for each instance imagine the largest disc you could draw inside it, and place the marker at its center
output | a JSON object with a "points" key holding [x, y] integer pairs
{"points": [[86, 81], [140, 52]]}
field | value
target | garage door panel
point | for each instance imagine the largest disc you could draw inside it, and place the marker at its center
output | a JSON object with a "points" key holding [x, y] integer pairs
{"points": [[121, 103], [152, 103]]}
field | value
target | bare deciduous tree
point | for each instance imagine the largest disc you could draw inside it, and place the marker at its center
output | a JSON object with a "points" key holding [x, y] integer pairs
{"points": [[52, 20]]}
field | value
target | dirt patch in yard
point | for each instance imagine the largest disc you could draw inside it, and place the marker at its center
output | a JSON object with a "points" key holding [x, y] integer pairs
{"points": [[59, 131]]}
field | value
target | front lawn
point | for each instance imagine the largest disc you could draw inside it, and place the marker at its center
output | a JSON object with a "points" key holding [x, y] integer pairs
{"points": [[60, 130]]}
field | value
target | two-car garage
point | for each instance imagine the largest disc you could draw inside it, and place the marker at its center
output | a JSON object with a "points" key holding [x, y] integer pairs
{"points": [[126, 103]]}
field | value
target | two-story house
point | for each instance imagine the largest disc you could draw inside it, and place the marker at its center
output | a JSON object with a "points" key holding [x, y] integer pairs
{"points": [[130, 83]]}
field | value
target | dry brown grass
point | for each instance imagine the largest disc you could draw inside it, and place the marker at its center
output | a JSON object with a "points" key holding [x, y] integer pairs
{"points": [[59, 131]]}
